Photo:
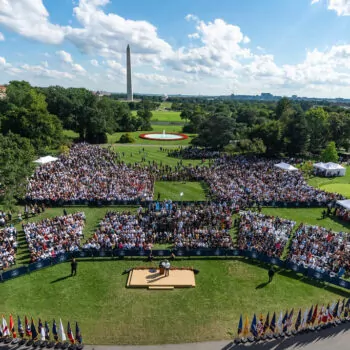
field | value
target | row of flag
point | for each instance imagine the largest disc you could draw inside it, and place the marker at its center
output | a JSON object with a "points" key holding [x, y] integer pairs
{"points": [[43, 330], [315, 316]]}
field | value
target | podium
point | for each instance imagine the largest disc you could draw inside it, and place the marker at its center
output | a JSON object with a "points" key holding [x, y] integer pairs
{"points": [[161, 270]]}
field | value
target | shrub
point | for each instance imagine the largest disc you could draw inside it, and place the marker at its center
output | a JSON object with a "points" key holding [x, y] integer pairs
{"points": [[126, 138]]}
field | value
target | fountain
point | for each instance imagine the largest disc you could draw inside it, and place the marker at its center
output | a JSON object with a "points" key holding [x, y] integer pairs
{"points": [[171, 136]]}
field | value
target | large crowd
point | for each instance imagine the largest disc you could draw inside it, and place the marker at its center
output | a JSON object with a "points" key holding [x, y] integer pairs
{"points": [[52, 237], [200, 226], [263, 234], [8, 246], [90, 173], [194, 153], [242, 180], [321, 249]]}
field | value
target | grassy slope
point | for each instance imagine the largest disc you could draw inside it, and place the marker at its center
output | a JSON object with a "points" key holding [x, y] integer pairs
{"points": [[333, 184], [134, 153], [166, 116], [111, 314], [192, 191]]}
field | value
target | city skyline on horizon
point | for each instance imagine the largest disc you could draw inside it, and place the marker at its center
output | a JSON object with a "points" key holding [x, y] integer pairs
{"points": [[182, 48]]}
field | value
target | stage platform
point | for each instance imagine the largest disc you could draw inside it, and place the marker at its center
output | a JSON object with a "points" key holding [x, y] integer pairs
{"points": [[151, 279]]}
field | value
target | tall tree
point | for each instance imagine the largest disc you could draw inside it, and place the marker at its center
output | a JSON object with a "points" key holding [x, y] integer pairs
{"points": [[330, 153]]}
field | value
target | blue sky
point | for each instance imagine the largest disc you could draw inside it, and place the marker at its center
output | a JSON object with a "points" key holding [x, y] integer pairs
{"points": [[191, 47]]}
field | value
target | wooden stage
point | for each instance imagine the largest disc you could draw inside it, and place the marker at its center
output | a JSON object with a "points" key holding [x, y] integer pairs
{"points": [[151, 279]]}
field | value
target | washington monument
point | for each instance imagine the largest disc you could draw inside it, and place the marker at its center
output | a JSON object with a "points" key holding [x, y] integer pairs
{"points": [[129, 95]]}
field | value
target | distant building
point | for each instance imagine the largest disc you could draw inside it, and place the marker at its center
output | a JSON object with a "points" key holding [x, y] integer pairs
{"points": [[2, 91]]}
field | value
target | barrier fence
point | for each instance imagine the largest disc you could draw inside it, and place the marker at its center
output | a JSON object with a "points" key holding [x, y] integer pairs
{"points": [[219, 252], [145, 203]]}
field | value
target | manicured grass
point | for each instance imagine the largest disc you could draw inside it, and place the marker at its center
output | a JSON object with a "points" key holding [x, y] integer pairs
{"points": [[134, 154], [326, 183], [166, 116], [312, 216], [109, 313], [165, 104], [156, 128], [343, 189], [192, 191]]}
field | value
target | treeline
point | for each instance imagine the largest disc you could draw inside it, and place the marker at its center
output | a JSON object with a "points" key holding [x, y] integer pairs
{"points": [[32, 122], [286, 127]]}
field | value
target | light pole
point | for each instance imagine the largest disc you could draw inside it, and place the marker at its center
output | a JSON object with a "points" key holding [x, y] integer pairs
{"points": [[181, 194]]}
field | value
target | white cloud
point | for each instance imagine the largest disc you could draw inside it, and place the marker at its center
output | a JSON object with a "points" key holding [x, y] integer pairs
{"points": [[341, 7], [159, 79], [2, 62], [41, 71], [66, 58], [94, 63], [2, 37], [30, 19], [45, 64]]}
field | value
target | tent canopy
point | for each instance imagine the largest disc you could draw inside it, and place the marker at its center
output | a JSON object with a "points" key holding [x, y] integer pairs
{"points": [[345, 203], [44, 160], [328, 166], [285, 166]]}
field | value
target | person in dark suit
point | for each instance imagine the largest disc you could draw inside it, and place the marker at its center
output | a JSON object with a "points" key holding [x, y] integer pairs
{"points": [[271, 274], [74, 266]]}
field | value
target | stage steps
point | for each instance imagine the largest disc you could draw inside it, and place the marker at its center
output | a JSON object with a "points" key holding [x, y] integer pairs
{"points": [[161, 287]]}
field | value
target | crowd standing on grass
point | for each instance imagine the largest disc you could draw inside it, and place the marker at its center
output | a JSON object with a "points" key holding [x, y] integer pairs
{"points": [[194, 153], [263, 234], [199, 226], [51, 237], [89, 173], [244, 180], [8, 246], [321, 249]]}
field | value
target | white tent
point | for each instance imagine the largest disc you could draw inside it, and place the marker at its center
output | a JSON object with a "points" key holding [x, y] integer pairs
{"points": [[345, 203], [44, 160], [285, 166], [329, 169]]}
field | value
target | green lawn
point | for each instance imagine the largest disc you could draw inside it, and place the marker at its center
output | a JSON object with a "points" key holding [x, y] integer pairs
{"points": [[165, 104], [156, 128], [166, 116], [328, 183], [192, 191], [109, 313], [312, 216], [134, 154]]}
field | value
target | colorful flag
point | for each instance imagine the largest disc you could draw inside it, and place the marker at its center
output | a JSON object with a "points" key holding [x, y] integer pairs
{"points": [[20, 327], [267, 322], [33, 330], [70, 334], [309, 316], [61, 332], [28, 331], [304, 321], [325, 314], [273, 323], [253, 329], [279, 323], [335, 310], [314, 315], [298, 321], [290, 319], [42, 333], [12, 327], [47, 331], [78, 335], [246, 327], [346, 312], [54, 330], [40, 326], [260, 325], [5, 330], [240, 326], [285, 322], [320, 315]]}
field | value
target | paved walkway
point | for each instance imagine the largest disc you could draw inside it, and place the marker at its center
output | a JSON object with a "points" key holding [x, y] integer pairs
{"points": [[329, 339]]}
